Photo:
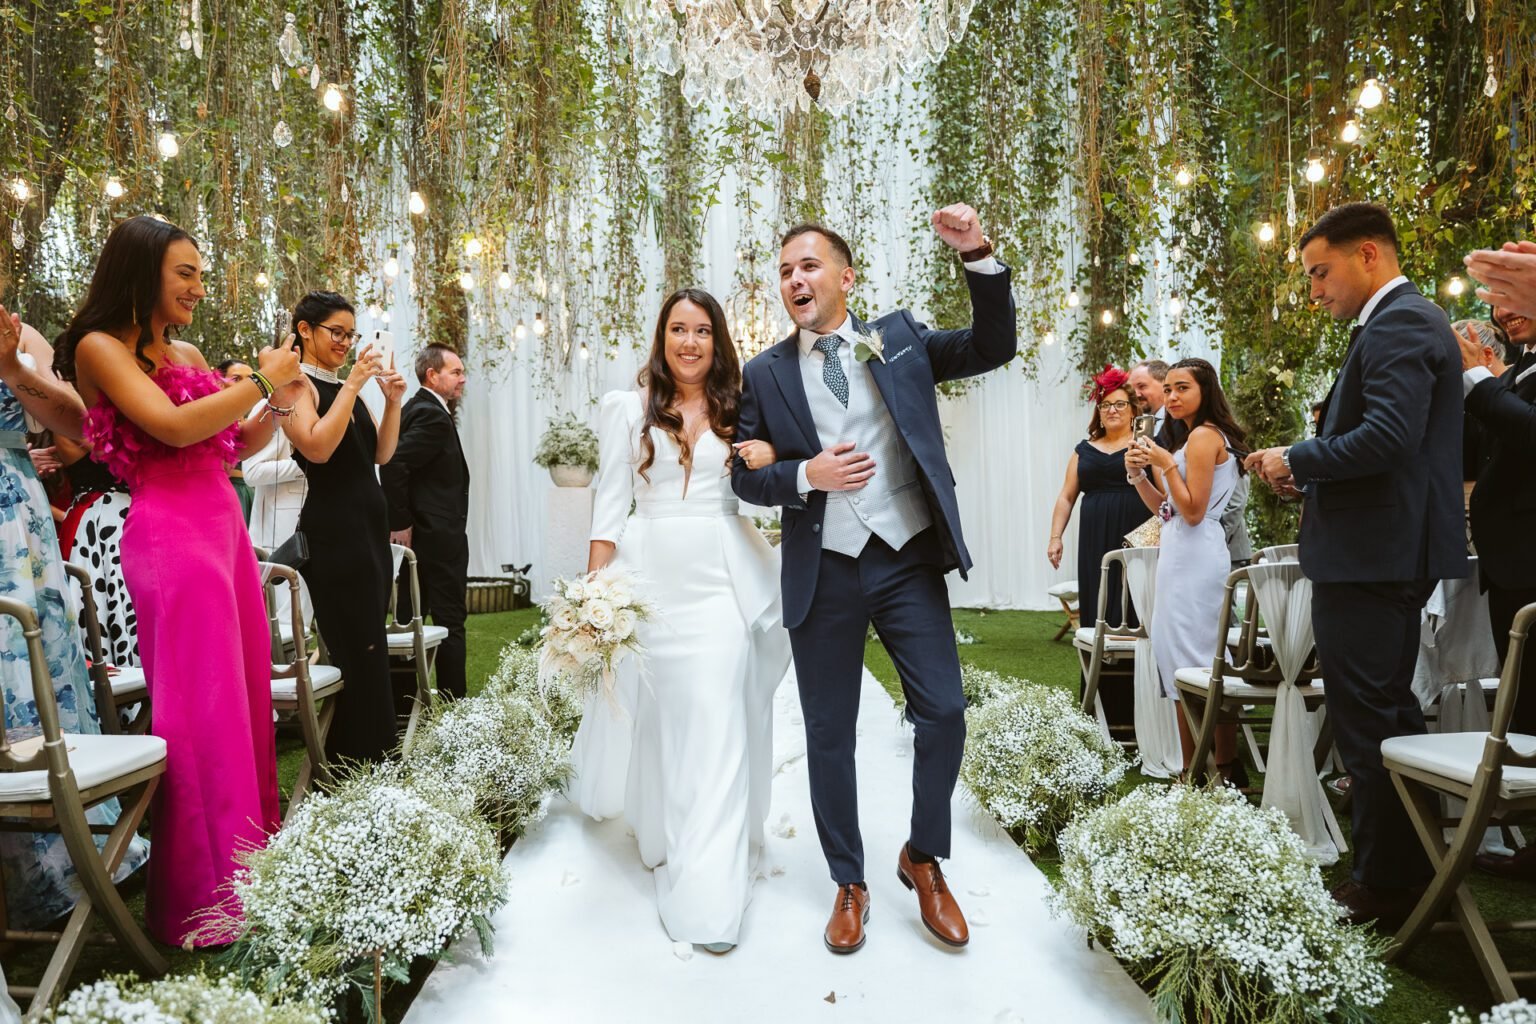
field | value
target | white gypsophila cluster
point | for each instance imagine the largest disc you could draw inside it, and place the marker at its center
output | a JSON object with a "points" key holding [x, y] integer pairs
{"points": [[592, 623], [1205, 878], [183, 999], [499, 749], [374, 866], [1033, 759], [517, 674], [1517, 1012]]}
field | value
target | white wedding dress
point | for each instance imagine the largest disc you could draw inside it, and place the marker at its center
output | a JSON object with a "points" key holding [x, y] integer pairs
{"points": [[686, 756]]}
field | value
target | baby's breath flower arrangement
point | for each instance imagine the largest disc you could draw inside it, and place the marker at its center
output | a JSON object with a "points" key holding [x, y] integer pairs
{"points": [[1033, 759], [377, 872], [182, 999], [567, 441], [1517, 1012], [500, 749], [1213, 904], [517, 674]]}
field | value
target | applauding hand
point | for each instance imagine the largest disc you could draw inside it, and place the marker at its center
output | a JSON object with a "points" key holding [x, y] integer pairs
{"points": [[958, 227], [1509, 275]]}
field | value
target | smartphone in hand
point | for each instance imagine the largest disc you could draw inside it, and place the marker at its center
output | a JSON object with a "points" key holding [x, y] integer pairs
{"points": [[384, 344], [1143, 427]]}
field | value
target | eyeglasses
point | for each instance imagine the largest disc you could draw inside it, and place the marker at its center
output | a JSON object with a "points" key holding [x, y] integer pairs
{"points": [[1114, 406], [340, 334]]}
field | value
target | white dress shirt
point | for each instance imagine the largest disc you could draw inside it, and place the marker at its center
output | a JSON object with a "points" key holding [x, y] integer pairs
{"points": [[1375, 300]]}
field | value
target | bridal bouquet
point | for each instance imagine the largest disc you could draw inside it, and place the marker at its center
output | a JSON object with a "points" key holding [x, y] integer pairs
{"points": [[592, 623]]}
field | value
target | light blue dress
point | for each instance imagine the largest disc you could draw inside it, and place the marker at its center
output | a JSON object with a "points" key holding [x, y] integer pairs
{"points": [[40, 882]]}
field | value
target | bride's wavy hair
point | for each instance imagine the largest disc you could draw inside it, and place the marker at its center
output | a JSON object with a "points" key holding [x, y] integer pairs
{"points": [[1214, 408], [722, 388]]}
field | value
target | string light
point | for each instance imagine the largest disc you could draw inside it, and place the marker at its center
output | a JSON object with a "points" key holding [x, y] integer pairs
{"points": [[539, 326], [521, 330], [1175, 305], [473, 247], [263, 282], [418, 205], [114, 188], [1266, 232], [1455, 287], [167, 145], [467, 280], [1072, 297], [1183, 178], [20, 189], [1107, 317], [1048, 338], [583, 353], [1351, 131], [392, 265], [1370, 92], [332, 98], [1315, 170], [504, 279]]}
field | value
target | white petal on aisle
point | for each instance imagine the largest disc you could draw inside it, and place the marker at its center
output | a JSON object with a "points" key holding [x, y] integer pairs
{"points": [[580, 939]]}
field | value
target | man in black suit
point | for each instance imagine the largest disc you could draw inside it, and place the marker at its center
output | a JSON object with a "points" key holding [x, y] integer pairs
{"points": [[1503, 511], [427, 487], [1383, 522]]}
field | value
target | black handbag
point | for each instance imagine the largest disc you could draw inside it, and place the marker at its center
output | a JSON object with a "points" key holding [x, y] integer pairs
{"points": [[293, 552]]}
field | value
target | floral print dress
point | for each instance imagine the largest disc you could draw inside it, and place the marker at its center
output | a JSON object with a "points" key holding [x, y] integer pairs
{"points": [[40, 880]]}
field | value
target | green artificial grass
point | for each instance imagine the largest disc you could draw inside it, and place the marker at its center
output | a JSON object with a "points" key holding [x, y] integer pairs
{"points": [[1439, 976]]}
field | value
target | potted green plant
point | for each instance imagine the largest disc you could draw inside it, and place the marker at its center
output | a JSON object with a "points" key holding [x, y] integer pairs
{"points": [[568, 450]]}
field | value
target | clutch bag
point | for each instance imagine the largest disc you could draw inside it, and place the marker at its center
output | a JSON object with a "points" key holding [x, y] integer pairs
{"points": [[1146, 535]]}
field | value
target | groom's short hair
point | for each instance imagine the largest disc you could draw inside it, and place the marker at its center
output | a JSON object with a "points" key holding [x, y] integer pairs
{"points": [[839, 245]]}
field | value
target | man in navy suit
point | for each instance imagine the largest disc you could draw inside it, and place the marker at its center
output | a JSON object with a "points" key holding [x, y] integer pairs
{"points": [[1383, 521], [871, 526]]}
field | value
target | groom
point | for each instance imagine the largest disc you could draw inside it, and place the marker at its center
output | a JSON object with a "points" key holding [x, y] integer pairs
{"points": [[870, 528]]}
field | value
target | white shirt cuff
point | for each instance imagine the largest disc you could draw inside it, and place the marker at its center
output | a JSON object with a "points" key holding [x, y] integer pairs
{"points": [[988, 265], [802, 481], [1473, 377]]}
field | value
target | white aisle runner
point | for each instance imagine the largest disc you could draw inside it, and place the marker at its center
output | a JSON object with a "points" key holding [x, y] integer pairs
{"points": [[580, 941]]}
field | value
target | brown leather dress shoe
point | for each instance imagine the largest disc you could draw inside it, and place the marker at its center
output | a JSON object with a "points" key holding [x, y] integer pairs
{"points": [[1520, 868], [941, 914], [1388, 908], [845, 929]]}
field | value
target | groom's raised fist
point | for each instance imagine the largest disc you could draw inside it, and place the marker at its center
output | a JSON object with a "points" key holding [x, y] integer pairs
{"points": [[959, 227], [840, 468]]}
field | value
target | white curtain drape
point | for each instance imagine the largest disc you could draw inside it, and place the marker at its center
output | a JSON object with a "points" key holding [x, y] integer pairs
{"points": [[1157, 727]]}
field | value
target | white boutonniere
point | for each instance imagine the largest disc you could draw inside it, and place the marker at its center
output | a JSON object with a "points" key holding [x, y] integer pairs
{"points": [[871, 343]]}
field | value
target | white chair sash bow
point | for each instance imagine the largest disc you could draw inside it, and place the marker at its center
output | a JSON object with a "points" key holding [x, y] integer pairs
{"points": [[1157, 730]]}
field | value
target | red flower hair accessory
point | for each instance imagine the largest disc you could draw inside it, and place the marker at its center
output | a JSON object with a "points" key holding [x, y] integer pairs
{"points": [[1111, 378]]}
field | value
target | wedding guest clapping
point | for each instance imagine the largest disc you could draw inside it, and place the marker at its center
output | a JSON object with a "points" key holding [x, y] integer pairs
{"points": [[1509, 274], [1198, 479], [1111, 507]]}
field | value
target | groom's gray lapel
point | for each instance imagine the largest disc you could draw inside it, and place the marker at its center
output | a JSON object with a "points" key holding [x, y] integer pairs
{"points": [[880, 372], [786, 371]]}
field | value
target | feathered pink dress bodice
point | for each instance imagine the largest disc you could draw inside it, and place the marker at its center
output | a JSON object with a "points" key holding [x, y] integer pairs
{"points": [[129, 452]]}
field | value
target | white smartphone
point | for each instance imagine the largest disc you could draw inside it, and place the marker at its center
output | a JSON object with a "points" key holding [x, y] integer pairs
{"points": [[384, 344]]}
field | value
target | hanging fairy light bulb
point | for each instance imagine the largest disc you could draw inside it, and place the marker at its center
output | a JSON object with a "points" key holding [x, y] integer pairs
{"points": [[263, 282], [167, 145], [392, 265], [114, 188], [521, 330], [1048, 338], [1183, 178], [539, 326], [1073, 298], [1370, 91], [418, 205], [1175, 305], [504, 279], [1455, 287], [332, 98], [1315, 169], [473, 247], [20, 189], [583, 353], [1350, 132], [467, 280], [1266, 232], [1107, 317], [375, 311]]}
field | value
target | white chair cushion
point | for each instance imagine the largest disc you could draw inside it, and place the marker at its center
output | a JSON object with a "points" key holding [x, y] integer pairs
{"points": [[126, 680], [1084, 641], [1066, 591], [95, 760], [1457, 755], [324, 680], [1235, 637], [431, 636], [1235, 686]]}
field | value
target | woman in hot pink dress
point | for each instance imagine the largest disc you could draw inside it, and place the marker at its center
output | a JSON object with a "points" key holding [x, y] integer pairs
{"points": [[162, 422]]}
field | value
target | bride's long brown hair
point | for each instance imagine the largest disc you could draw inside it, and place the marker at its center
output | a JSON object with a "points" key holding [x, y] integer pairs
{"points": [[722, 388]]}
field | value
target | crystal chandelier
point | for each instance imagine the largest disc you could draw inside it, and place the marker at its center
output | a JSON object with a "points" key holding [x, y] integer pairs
{"points": [[780, 54]]}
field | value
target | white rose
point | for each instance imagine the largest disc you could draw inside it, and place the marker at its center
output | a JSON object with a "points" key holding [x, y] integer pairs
{"points": [[624, 624], [582, 649], [564, 620], [575, 591], [621, 593], [598, 613]]}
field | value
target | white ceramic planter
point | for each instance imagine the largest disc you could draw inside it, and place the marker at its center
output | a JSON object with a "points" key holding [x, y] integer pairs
{"points": [[570, 476]]}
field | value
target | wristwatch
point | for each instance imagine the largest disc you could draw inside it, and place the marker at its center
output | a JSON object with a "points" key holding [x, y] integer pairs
{"points": [[1285, 459], [981, 252]]}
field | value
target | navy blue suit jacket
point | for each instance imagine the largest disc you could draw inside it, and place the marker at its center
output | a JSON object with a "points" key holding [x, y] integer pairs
{"points": [[1504, 501], [1383, 476], [774, 409]]}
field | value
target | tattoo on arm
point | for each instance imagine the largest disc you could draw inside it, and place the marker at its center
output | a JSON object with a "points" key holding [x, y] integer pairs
{"points": [[30, 390]]}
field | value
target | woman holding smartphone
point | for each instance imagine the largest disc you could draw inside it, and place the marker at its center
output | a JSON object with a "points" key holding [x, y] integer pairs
{"points": [[349, 573]]}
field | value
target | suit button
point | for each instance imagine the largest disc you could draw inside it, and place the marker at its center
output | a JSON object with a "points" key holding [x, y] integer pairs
{"points": [[815, 527]]}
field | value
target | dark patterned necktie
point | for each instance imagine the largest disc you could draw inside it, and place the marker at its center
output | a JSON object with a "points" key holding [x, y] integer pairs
{"points": [[832, 367]]}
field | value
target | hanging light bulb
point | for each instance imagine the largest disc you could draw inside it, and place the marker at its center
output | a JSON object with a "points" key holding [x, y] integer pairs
{"points": [[1315, 170], [392, 265], [114, 188], [167, 145], [263, 282], [1351, 131], [539, 326], [473, 247], [521, 330], [467, 280], [1183, 178], [1370, 91], [20, 189], [1455, 287], [1072, 297], [332, 98], [1266, 232], [583, 353], [1107, 317], [1048, 338], [504, 279], [418, 205], [1175, 305], [375, 312], [1134, 259]]}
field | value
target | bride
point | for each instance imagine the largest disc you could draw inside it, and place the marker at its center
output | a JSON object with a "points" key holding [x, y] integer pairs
{"points": [[687, 754]]}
